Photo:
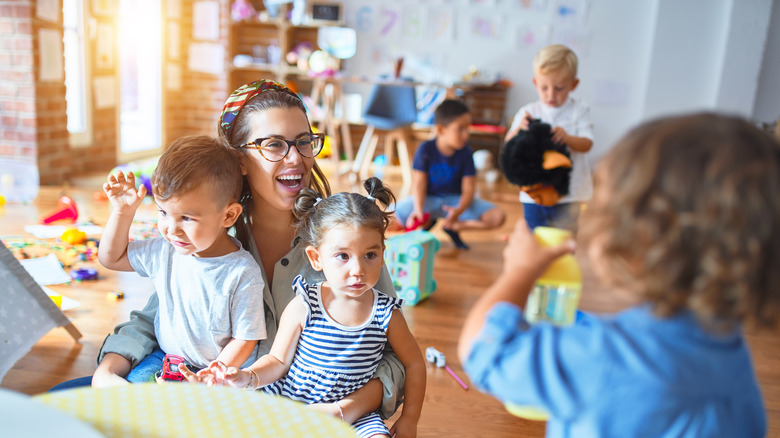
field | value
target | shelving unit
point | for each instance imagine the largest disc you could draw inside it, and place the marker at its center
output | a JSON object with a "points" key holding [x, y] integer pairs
{"points": [[253, 38]]}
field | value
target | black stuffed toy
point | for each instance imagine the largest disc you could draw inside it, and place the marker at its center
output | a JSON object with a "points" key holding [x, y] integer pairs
{"points": [[538, 165]]}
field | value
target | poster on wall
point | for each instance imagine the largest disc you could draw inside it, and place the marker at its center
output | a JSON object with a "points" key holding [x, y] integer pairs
{"points": [[173, 77], [441, 25], [205, 21], [206, 58], [50, 55], [104, 90], [486, 27], [48, 10], [104, 52], [172, 37]]}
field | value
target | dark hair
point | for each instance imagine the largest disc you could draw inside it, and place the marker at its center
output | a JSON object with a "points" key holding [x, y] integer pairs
{"points": [[194, 160], [315, 214], [449, 110], [686, 214], [242, 129]]}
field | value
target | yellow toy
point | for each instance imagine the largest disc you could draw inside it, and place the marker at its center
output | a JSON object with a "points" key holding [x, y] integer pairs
{"points": [[74, 236]]}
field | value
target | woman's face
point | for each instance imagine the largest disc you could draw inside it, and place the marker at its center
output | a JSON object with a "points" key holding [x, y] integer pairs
{"points": [[277, 184]]}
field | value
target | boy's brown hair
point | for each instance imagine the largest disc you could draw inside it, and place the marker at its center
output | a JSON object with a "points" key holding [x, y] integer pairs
{"points": [[686, 215], [555, 58], [194, 160], [449, 110]]}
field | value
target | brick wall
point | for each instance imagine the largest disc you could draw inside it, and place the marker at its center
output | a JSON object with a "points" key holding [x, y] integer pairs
{"points": [[33, 121]]}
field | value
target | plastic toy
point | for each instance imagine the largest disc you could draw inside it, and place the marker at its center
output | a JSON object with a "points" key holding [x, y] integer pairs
{"points": [[409, 258], [170, 368], [66, 210], [242, 10], [74, 236], [82, 274], [437, 358], [556, 293], [418, 222], [115, 295], [533, 161]]}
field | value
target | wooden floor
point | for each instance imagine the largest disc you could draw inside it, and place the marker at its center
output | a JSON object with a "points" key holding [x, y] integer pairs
{"points": [[462, 276]]}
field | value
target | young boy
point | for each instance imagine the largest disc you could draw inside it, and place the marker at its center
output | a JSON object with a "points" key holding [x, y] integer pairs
{"points": [[444, 180], [555, 76], [210, 289]]}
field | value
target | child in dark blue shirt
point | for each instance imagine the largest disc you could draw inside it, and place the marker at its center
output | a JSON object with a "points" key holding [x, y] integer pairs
{"points": [[444, 180]]}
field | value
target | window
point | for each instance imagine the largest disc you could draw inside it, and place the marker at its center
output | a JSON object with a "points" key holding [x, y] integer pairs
{"points": [[77, 94], [140, 64]]}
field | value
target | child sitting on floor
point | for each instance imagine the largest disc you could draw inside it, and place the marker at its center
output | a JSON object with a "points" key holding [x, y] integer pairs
{"points": [[685, 221], [444, 180]]}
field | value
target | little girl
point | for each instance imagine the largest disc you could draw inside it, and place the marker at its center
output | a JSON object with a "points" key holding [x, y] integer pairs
{"points": [[685, 221], [332, 334]]}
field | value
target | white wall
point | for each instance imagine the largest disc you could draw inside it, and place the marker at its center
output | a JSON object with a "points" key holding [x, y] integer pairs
{"points": [[638, 59], [767, 107]]}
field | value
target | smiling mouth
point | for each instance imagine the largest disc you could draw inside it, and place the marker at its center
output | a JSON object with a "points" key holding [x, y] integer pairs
{"points": [[179, 243], [291, 181]]}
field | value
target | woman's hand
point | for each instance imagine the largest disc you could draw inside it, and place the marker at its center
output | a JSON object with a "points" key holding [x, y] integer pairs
{"points": [[405, 427]]}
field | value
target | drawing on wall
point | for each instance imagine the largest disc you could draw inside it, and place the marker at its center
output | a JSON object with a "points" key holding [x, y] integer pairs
{"points": [[491, 3], [364, 19], [173, 39], [173, 76], [576, 38], [570, 11], [441, 26], [486, 27], [389, 22], [539, 5], [173, 9], [104, 90], [48, 10], [205, 21], [533, 37], [414, 19], [50, 55], [207, 58], [104, 56]]}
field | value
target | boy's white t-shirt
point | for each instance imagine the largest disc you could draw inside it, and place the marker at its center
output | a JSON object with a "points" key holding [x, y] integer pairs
{"points": [[574, 117], [204, 302]]}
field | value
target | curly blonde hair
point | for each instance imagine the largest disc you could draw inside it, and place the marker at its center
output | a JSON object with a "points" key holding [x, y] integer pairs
{"points": [[686, 214]]}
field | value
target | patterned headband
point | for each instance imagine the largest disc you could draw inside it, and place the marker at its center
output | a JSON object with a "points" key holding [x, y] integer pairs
{"points": [[241, 96]]}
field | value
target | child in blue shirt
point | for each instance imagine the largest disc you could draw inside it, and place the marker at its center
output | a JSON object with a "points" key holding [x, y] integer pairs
{"points": [[683, 220], [444, 180]]}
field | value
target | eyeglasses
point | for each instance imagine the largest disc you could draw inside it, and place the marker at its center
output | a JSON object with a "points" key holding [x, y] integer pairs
{"points": [[275, 149]]}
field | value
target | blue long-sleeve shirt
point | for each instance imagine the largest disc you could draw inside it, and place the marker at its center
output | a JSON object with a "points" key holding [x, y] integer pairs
{"points": [[629, 375]]}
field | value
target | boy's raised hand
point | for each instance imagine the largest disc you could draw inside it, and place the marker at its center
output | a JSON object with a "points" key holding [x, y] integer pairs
{"points": [[121, 192]]}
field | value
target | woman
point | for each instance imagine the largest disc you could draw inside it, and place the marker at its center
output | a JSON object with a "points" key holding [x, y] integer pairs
{"points": [[268, 123]]}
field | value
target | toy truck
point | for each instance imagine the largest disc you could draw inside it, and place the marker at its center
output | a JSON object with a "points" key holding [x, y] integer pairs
{"points": [[409, 258]]}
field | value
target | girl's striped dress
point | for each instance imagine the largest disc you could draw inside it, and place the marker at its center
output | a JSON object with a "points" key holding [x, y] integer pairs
{"points": [[333, 360]]}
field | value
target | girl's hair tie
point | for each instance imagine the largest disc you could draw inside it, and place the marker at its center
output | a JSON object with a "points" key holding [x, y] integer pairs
{"points": [[317, 202], [370, 198]]}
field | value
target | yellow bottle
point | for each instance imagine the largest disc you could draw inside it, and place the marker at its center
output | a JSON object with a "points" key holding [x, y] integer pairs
{"points": [[556, 293], [554, 299]]}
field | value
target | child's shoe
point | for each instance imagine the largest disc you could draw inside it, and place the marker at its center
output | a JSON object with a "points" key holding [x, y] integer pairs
{"points": [[456, 238]]}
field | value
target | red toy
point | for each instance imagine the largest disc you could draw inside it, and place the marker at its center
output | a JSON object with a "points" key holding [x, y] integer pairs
{"points": [[170, 368], [418, 223], [66, 210]]}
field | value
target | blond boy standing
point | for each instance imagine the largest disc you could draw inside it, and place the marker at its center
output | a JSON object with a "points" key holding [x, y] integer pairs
{"points": [[555, 76]]}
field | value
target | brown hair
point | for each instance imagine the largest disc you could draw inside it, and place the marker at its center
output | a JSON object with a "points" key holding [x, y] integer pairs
{"points": [[239, 134], [555, 58], [315, 214], [449, 110], [194, 160], [686, 214]]}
